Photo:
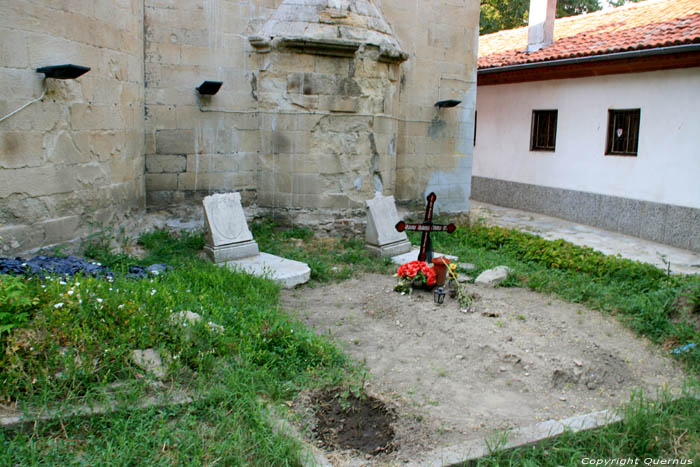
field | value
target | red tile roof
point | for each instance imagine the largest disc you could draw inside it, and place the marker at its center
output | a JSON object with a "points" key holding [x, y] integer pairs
{"points": [[645, 25]]}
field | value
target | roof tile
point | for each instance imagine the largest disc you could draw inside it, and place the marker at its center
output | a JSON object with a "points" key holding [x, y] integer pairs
{"points": [[645, 25]]}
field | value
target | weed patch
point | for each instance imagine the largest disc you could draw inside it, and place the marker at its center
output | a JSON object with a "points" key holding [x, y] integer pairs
{"points": [[330, 259]]}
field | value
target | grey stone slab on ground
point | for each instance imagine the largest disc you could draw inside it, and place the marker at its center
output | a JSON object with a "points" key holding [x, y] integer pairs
{"points": [[286, 271], [382, 238], [228, 236], [493, 277], [413, 255]]}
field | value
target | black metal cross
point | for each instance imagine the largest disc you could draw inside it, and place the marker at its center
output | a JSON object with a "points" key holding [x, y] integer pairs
{"points": [[426, 245]]}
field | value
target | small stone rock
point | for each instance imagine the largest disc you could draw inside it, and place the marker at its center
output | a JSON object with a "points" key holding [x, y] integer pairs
{"points": [[460, 357], [578, 362], [149, 360], [509, 339], [502, 369], [493, 277], [189, 318], [466, 266], [562, 398]]}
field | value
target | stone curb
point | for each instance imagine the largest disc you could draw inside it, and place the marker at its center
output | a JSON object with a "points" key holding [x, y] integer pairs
{"points": [[474, 449], [17, 421], [519, 437]]}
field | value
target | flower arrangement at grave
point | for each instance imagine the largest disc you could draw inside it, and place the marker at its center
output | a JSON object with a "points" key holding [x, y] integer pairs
{"points": [[415, 274]]}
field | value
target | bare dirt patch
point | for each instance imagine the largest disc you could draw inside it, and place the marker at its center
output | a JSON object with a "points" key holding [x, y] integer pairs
{"points": [[520, 358], [345, 421]]}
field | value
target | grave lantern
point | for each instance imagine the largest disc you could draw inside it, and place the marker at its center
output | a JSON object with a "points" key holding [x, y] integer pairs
{"points": [[439, 295]]}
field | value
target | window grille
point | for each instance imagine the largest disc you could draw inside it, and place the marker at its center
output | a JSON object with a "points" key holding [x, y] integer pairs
{"points": [[543, 135], [623, 132]]}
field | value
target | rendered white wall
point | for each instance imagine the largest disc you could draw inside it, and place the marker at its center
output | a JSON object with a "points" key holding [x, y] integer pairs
{"points": [[667, 166]]}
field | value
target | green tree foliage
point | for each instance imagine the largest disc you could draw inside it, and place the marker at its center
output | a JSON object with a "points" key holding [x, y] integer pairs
{"points": [[617, 3], [497, 15]]}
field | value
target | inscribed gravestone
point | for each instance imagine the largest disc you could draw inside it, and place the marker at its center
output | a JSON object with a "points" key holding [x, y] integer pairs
{"points": [[382, 238], [228, 236]]}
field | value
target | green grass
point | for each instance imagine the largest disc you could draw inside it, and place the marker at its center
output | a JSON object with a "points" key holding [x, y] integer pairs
{"points": [[76, 351], [650, 430], [330, 258], [71, 340]]}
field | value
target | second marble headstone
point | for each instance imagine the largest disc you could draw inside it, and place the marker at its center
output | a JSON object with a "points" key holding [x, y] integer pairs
{"points": [[381, 235], [228, 236]]}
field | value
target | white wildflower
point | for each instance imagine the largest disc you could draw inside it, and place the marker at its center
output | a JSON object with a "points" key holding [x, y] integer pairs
{"points": [[59, 305]]}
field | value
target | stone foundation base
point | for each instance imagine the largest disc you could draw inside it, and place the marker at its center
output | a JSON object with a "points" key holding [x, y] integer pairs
{"points": [[222, 254], [390, 249], [677, 226]]}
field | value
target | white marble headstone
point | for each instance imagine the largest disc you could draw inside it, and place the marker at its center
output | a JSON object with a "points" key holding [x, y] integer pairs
{"points": [[381, 234], [225, 220]]}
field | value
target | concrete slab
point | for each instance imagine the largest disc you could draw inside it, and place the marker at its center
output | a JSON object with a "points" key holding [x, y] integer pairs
{"points": [[610, 243], [288, 272], [413, 255], [476, 448]]}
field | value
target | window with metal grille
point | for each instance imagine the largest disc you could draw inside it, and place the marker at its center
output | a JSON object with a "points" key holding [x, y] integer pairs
{"points": [[623, 132], [543, 136]]}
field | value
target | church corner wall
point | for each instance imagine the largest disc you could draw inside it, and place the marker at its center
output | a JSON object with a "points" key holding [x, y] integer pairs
{"points": [[75, 158], [434, 149], [279, 149]]}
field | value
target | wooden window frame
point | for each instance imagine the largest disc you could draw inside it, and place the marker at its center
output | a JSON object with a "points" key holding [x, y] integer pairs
{"points": [[546, 141], [627, 120]]}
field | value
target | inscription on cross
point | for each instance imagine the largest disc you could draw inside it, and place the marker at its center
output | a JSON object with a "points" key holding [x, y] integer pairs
{"points": [[426, 246]]}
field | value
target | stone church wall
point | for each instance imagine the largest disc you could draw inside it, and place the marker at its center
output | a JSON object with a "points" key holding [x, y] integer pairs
{"points": [[299, 134], [302, 134], [198, 145], [75, 158], [434, 150]]}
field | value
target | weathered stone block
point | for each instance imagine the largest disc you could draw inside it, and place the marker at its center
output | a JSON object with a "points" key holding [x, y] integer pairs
{"points": [[175, 141], [95, 117], [339, 104], [199, 163], [60, 230], [248, 141], [225, 162], [13, 49], [45, 181], [20, 149], [161, 182], [159, 163]]}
